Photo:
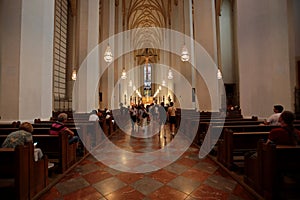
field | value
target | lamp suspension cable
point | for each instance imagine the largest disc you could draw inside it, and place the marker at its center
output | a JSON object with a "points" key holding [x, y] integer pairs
{"points": [[123, 74], [184, 52]]}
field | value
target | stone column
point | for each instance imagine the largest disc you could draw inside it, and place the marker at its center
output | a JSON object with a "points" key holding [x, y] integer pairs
{"points": [[263, 56], [26, 59]]}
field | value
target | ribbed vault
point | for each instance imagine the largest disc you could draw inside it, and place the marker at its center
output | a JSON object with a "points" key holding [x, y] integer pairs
{"points": [[146, 17]]}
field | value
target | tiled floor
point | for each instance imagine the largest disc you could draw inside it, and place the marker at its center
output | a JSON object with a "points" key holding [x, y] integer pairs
{"points": [[147, 171]]}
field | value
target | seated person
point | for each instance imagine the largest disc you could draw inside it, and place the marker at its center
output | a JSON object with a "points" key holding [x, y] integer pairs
{"points": [[286, 134], [59, 127], [108, 116], [20, 137], [100, 115], [94, 116], [273, 119]]}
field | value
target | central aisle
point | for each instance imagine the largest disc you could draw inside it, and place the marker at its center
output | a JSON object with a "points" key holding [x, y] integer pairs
{"points": [[186, 178]]}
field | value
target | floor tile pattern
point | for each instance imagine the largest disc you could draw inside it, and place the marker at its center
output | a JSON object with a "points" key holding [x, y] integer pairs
{"points": [[188, 177]]}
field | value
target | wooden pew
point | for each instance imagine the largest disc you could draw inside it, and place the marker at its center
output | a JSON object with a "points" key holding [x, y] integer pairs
{"points": [[204, 126], [20, 176], [234, 145], [266, 171], [213, 132], [58, 150], [56, 147]]}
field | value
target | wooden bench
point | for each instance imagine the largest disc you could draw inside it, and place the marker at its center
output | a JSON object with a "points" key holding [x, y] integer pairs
{"points": [[58, 150], [20, 176], [89, 132], [217, 132], [56, 147], [234, 145], [204, 126], [267, 171]]}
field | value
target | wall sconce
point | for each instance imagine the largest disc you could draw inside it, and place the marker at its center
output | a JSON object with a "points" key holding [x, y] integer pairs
{"points": [[219, 74], [74, 75]]}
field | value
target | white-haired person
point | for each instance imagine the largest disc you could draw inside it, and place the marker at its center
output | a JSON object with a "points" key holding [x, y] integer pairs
{"points": [[20, 137]]}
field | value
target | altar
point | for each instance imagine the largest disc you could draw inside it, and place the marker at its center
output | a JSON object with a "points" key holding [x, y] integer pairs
{"points": [[147, 100]]}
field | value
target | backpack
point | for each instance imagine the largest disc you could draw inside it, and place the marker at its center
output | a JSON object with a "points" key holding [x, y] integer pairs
{"points": [[145, 114]]}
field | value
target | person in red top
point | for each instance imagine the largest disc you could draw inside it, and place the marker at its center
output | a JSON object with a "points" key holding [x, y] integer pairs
{"points": [[286, 134], [58, 127]]}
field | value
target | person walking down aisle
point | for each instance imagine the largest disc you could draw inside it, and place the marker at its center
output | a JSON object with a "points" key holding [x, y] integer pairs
{"points": [[162, 115], [172, 118], [133, 116]]}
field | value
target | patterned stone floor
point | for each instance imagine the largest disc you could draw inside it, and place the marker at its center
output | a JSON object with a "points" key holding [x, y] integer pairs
{"points": [[135, 166]]}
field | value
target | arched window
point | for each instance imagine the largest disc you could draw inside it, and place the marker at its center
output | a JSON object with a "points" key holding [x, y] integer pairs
{"points": [[147, 79], [60, 55]]}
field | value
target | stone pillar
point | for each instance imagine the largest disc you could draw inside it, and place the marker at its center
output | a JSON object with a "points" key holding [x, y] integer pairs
{"points": [[85, 93], [26, 59], [205, 35], [263, 56]]}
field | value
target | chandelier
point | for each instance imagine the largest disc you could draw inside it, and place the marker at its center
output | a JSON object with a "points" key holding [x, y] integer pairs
{"points": [[108, 57], [123, 75], [185, 56], [170, 74]]}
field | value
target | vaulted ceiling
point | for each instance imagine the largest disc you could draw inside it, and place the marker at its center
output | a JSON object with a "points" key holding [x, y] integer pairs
{"points": [[147, 17]]}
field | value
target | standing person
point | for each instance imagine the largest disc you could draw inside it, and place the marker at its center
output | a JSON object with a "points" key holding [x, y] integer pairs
{"points": [[143, 115], [59, 127], [123, 109], [162, 116], [172, 118], [133, 116], [273, 120], [286, 134]]}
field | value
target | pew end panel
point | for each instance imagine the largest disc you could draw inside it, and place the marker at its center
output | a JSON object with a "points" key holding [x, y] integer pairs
{"points": [[14, 176], [268, 171], [21, 177], [58, 150]]}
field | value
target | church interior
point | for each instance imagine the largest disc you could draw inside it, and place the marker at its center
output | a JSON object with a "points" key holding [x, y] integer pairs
{"points": [[222, 64]]}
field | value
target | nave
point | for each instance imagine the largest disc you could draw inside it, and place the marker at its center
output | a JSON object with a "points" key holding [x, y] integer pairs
{"points": [[186, 178]]}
